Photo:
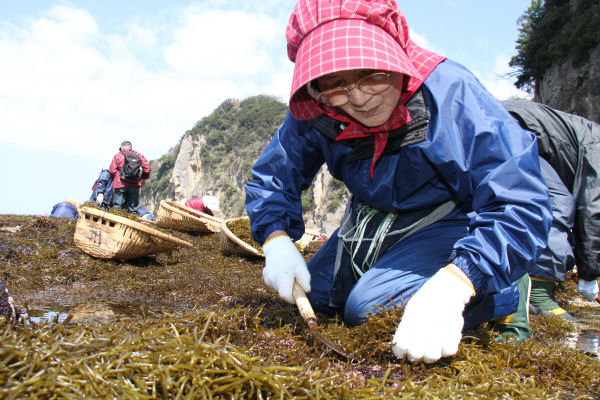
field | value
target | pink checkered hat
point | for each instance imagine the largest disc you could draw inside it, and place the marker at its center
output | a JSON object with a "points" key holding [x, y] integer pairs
{"points": [[326, 36]]}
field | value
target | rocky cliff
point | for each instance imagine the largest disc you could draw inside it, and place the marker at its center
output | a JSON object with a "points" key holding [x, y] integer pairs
{"points": [[216, 156], [574, 89]]}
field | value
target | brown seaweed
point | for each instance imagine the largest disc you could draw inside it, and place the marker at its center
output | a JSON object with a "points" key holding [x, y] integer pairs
{"points": [[198, 324], [242, 230]]}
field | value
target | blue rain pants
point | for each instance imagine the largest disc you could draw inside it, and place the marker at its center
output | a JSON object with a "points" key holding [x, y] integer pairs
{"points": [[400, 272]]}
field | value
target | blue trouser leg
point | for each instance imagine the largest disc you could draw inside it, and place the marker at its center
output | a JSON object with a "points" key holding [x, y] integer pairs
{"points": [[132, 198], [400, 272], [119, 198], [557, 257]]}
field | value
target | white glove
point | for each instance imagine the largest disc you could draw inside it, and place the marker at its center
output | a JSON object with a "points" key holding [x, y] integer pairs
{"points": [[588, 289], [284, 265], [431, 326], [100, 198]]}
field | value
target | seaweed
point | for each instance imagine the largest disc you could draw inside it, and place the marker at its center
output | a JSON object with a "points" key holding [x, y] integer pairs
{"points": [[240, 227], [198, 324], [242, 230]]}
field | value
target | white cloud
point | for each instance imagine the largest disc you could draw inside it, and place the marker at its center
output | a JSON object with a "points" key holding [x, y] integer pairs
{"points": [[216, 43], [281, 81], [499, 83], [422, 41], [142, 36], [64, 83]]}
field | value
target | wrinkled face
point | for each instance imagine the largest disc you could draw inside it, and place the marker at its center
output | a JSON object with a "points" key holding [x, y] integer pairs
{"points": [[369, 109]]}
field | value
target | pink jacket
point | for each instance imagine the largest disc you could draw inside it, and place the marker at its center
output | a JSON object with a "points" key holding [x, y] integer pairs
{"points": [[115, 167], [197, 204]]}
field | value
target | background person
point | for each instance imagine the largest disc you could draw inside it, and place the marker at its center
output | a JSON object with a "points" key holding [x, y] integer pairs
{"points": [[102, 190], [448, 207], [144, 213], [102, 195], [65, 209], [571, 146], [206, 204], [126, 193]]}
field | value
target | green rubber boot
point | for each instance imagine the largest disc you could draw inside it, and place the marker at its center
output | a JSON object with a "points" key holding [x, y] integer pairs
{"points": [[542, 301], [516, 325]]}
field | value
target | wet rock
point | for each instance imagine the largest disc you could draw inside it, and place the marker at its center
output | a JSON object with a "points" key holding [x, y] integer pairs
{"points": [[91, 312], [10, 229], [26, 250], [6, 252], [7, 308], [65, 254], [67, 257], [43, 224]]}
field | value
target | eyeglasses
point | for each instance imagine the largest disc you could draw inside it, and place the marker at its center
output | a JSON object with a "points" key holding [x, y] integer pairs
{"points": [[370, 84]]}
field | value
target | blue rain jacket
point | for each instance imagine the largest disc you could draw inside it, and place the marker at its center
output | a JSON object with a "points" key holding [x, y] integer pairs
{"points": [[64, 209], [103, 185], [145, 214], [474, 152]]}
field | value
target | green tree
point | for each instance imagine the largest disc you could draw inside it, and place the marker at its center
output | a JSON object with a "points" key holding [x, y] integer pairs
{"points": [[553, 31]]}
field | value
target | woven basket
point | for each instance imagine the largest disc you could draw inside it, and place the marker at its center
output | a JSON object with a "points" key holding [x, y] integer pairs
{"points": [[176, 216], [231, 244], [109, 236], [147, 222], [313, 246], [308, 241]]}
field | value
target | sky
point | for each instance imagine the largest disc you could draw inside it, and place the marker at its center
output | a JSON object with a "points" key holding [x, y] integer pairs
{"points": [[78, 77]]}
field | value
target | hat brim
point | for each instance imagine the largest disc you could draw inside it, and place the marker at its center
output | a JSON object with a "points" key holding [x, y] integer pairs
{"points": [[339, 45]]}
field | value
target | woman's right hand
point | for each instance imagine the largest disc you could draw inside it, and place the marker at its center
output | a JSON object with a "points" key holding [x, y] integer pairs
{"points": [[284, 265]]}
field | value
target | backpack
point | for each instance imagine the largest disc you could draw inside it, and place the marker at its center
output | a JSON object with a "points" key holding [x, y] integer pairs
{"points": [[132, 165]]}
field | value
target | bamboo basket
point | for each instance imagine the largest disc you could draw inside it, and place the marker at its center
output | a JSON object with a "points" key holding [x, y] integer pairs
{"points": [[314, 246], [109, 236], [147, 222], [179, 217], [308, 242], [231, 244]]}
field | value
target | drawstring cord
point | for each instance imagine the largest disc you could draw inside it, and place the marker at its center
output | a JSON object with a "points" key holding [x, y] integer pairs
{"points": [[364, 215]]}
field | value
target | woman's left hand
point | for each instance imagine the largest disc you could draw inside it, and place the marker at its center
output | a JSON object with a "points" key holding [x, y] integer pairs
{"points": [[284, 265]]}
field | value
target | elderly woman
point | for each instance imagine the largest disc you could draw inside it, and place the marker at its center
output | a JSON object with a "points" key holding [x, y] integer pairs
{"points": [[448, 206]]}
